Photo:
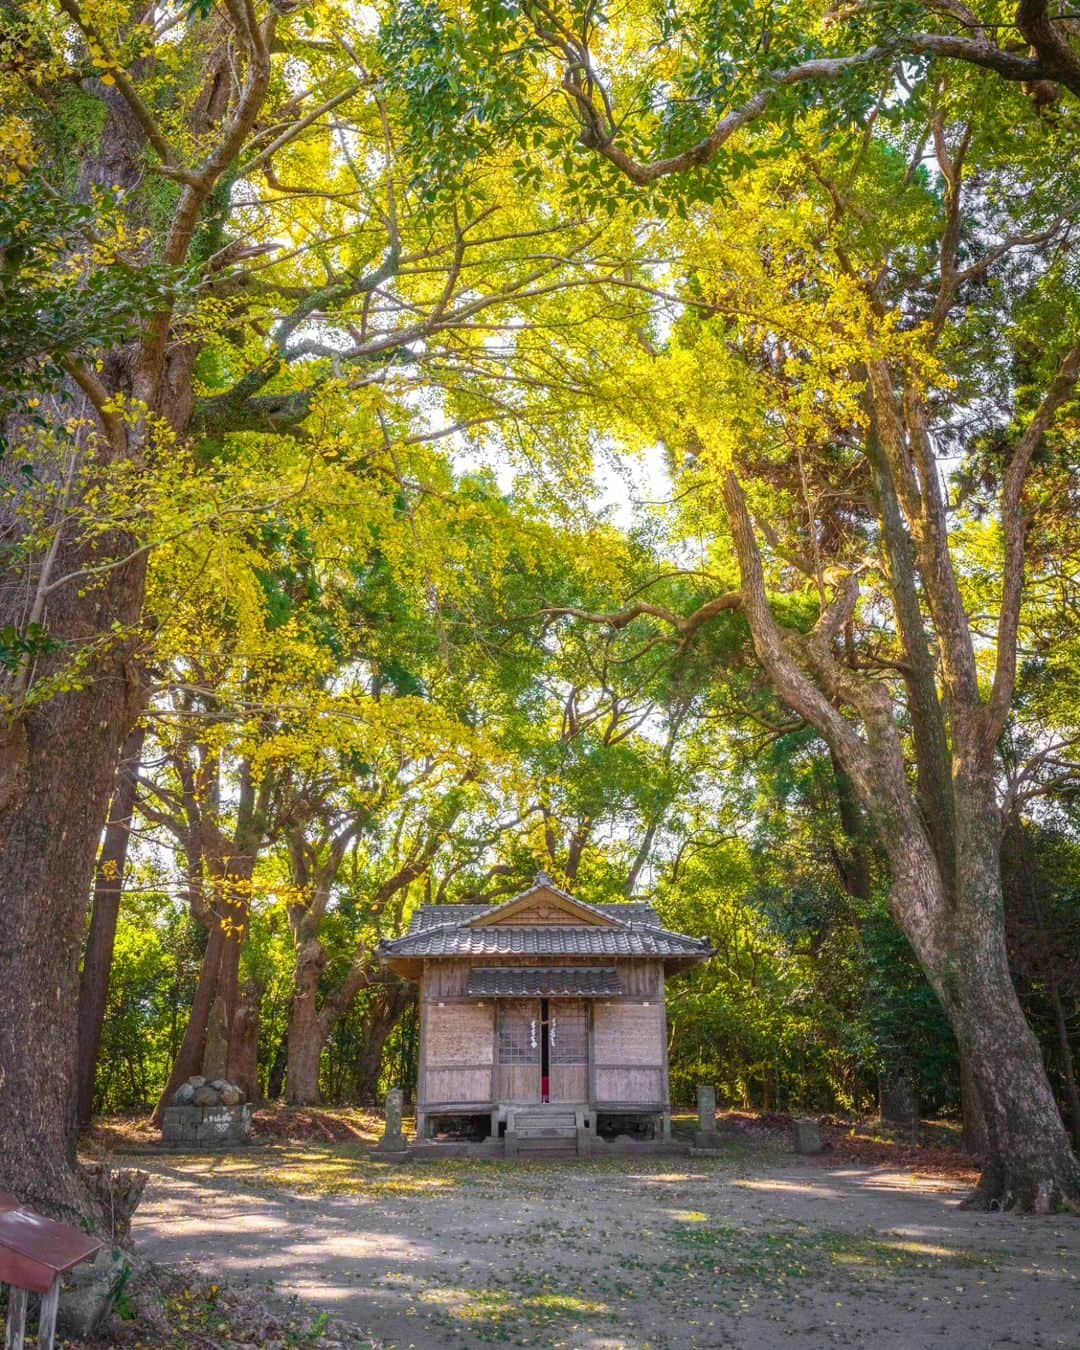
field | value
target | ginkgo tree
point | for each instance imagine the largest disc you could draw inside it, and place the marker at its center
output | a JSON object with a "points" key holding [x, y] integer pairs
{"points": [[258, 252], [316, 687], [828, 372], [210, 225], [876, 283]]}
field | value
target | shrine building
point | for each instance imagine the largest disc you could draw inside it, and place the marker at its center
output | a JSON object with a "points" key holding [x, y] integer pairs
{"points": [[542, 1019]]}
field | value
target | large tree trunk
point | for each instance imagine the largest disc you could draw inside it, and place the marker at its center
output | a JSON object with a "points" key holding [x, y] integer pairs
{"points": [[1029, 1162], [310, 1025], [189, 1058], [973, 1121], [61, 765], [1024, 887], [307, 1032], [951, 912], [217, 988], [229, 1000], [384, 1013], [58, 761], [960, 943], [58, 756], [98, 955], [1068, 1067], [225, 914], [244, 1042]]}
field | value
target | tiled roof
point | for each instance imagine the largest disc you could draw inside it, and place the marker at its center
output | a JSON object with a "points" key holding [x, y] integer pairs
{"points": [[544, 982], [432, 916], [452, 939], [627, 930], [633, 911]]}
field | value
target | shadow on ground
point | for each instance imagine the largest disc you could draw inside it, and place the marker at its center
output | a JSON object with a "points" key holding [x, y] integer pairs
{"points": [[751, 1250]]}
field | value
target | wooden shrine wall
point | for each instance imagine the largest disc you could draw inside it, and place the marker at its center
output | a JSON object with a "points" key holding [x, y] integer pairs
{"points": [[458, 1053], [629, 1054], [628, 1040]]}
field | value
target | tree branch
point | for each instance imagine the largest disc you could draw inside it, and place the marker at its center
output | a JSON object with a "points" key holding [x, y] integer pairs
{"points": [[291, 132], [153, 133], [792, 684], [599, 128], [101, 400], [685, 625], [1057, 59]]}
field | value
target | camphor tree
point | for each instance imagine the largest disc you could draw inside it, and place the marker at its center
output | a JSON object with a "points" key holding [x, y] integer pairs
{"points": [[877, 287], [384, 823], [973, 353]]}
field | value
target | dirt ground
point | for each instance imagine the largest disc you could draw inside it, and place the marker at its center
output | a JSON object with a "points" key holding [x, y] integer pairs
{"points": [[750, 1250]]}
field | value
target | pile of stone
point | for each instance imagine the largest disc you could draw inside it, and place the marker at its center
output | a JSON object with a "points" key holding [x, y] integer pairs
{"points": [[198, 1092], [207, 1113]]}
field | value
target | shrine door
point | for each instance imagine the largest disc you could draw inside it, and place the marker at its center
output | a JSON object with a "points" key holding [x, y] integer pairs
{"points": [[567, 1043], [519, 1050]]}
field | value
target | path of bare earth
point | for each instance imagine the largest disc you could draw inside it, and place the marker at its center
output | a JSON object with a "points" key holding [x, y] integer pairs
{"points": [[744, 1252]]}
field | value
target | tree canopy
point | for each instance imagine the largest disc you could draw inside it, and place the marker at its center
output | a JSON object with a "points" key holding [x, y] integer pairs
{"points": [[460, 440]]}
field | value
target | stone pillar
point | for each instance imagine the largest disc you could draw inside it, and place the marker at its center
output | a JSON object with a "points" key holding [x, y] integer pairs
{"points": [[806, 1137], [899, 1103], [393, 1144], [706, 1135]]}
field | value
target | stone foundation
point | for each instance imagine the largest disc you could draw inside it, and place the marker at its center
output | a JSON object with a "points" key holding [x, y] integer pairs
{"points": [[211, 1115], [209, 1126]]}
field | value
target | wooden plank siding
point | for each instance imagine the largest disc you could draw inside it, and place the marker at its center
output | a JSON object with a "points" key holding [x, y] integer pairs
{"points": [[641, 979], [627, 1042], [519, 1084], [459, 1053], [666, 1084], [628, 1034], [625, 1086], [446, 979], [628, 1054], [569, 1082]]}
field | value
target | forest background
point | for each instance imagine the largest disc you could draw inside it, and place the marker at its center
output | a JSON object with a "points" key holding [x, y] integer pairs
{"points": [[334, 341]]}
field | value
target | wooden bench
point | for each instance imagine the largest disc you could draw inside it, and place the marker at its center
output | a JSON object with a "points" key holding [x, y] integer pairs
{"points": [[35, 1253]]}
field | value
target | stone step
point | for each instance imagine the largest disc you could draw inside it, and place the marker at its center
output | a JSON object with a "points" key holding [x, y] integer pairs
{"points": [[547, 1148], [549, 1125]]}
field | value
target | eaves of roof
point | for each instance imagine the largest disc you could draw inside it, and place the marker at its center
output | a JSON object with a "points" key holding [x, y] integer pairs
{"points": [[450, 940]]}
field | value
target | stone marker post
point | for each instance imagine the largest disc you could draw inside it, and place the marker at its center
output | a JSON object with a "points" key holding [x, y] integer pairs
{"points": [[393, 1142], [706, 1135], [899, 1102], [806, 1137]]}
